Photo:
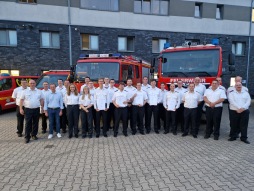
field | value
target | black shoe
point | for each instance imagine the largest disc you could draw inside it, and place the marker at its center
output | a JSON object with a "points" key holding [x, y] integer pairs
{"points": [[70, 136], [43, 131], [27, 141], [19, 134], [115, 134], [133, 133], [174, 133], [147, 132], [165, 132], [232, 139], [35, 137], [206, 137], [157, 132], [97, 136], [64, 131], [125, 134], [245, 141], [83, 136], [90, 136], [76, 135], [216, 138], [195, 136], [105, 135], [184, 134], [142, 133]]}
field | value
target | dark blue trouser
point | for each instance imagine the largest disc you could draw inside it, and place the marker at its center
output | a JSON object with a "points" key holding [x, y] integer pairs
{"points": [[20, 120], [87, 122], [54, 119], [137, 116], [73, 117], [32, 120], [121, 113]]}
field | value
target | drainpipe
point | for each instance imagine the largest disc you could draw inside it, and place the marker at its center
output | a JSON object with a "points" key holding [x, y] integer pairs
{"points": [[69, 26], [249, 47]]}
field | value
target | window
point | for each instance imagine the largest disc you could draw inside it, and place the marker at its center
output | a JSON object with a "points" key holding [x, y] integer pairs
{"points": [[158, 45], [5, 84], [89, 42], [137, 71], [252, 19], [8, 37], [28, 1], [198, 8], [126, 44], [219, 12], [238, 48], [157, 7], [11, 72], [106, 5], [50, 40]]}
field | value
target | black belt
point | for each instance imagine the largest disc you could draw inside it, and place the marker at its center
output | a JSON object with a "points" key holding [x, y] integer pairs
{"points": [[54, 108]]}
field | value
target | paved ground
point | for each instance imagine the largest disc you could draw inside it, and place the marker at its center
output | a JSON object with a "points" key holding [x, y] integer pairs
{"points": [[150, 162]]}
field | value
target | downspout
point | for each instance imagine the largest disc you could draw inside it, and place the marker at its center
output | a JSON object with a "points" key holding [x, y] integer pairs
{"points": [[249, 47], [69, 26]]}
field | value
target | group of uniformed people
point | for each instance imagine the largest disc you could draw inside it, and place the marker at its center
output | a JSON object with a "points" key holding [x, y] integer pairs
{"points": [[64, 104]]}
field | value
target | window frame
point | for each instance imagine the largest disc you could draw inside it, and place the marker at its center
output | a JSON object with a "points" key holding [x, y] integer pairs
{"points": [[200, 5], [50, 39], [126, 45], [158, 39], [151, 11], [89, 35], [234, 43], [221, 10], [98, 9], [33, 3], [8, 38]]}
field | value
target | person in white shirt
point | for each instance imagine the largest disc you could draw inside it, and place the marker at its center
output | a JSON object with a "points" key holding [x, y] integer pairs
{"points": [[139, 99], [31, 99], [213, 98], [180, 111], [87, 80], [71, 101], [53, 105], [145, 87], [200, 88], [231, 89], [101, 105], [191, 99], [92, 90], [161, 109], [110, 115], [153, 100], [220, 82], [62, 88], [239, 103], [44, 118], [120, 100], [106, 83], [171, 103], [16, 96], [86, 103], [130, 92]]}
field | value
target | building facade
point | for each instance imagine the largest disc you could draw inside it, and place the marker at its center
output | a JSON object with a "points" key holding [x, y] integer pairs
{"points": [[35, 35]]}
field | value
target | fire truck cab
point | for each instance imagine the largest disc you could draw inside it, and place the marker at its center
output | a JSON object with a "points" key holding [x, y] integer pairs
{"points": [[113, 66]]}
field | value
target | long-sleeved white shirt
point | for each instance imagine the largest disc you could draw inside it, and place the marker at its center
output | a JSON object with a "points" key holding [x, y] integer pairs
{"points": [[153, 96], [71, 99], [239, 100], [171, 100], [101, 99]]}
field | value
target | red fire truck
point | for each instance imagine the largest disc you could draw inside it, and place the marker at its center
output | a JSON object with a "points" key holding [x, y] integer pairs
{"points": [[113, 66], [189, 61]]}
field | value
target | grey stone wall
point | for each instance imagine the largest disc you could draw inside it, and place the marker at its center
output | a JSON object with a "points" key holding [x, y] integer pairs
{"points": [[30, 59]]}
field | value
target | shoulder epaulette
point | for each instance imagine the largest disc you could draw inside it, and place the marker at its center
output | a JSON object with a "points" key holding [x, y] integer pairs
{"points": [[231, 91], [176, 91], [125, 90], [116, 90]]}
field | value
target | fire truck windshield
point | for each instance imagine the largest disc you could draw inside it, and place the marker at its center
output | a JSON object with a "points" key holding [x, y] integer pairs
{"points": [[97, 70], [203, 63]]}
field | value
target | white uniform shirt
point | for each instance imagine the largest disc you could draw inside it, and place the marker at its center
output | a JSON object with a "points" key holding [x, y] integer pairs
{"points": [[32, 98], [200, 88], [171, 100], [181, 91], [111, 92], [62, 90], [106, 86], [46, 92], [215, 95], [101, 99], [71, 99], [86, 101], [239, 100], [162, 94], [231, 88], [191, 99], [119, 97], [153, 96], [140, 98], [17, 94], [146, 87], [92, 91], [130, 91]]}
